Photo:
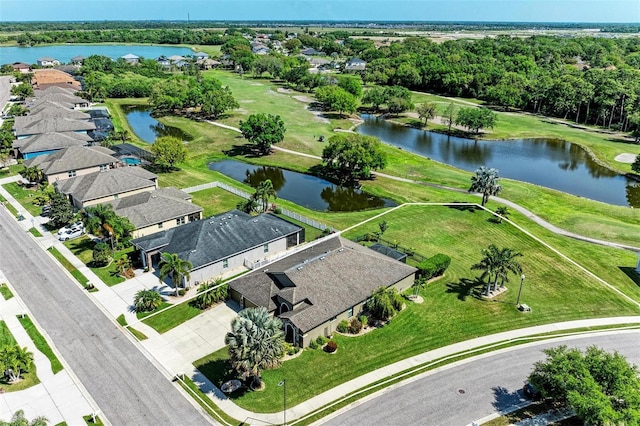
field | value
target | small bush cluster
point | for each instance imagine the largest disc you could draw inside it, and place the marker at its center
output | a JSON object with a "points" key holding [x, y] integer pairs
{"points": [[331, 346], [102, 255], [384, 303], [434, 266], [211, 292], [355, 326], [319, 342], [147, 300], [290, 349], [364, 320], [343, 327]]}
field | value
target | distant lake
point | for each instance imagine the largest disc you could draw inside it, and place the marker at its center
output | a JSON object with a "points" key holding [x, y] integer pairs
{"points": [[148, 128], [65, 52], [305, 190]]}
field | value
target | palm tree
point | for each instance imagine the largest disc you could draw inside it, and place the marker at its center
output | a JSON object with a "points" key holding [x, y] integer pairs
{"points": [[496, 264], [485, 182], [33, 174], [488, 264], [502, 213], [256, 343], [210, 293], [171, 265], [14, 360], [19, 419], [264, 192], [507, 263], [147, 300]]}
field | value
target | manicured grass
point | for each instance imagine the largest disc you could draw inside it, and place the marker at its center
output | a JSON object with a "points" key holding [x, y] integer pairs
{"points": [[215, 201], [206, 403], [5, 291], [24, 196], [452, 311], [40, 342], [82, 248], [9, 206], [34, 231], [142, 315], [137, 334], [89, 420], [28, 379], [69, 267], [172, 317]]}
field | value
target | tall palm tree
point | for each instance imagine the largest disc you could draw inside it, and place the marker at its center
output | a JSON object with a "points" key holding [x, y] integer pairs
{"points": [[507, 263], [264, 192], [171, 265], [485, 182], [497, 263], [489, 264], [256, 343], [14, 360]]}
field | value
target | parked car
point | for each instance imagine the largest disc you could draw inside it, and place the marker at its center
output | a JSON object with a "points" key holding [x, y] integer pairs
{"points": [[530, 391], [71, 227], [71, 233]]}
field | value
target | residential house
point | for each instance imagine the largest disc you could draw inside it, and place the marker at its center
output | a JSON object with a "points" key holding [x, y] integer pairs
{"points": [[47, 61], [100, 187], [164, 62], [310, 51], [158, 210], [78, 60], [21, 67], [43, 79], [200, 56], [73, 161], [44, 109], [223, 244], [27, 128], [176, 58], [65, 99], [355, 64], [47, 143], [312, 290], [131, 58], [209, 63]]}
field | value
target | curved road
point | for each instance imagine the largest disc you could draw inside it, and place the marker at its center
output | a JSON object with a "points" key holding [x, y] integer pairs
{"points": [[128, 389], [489, 383]]}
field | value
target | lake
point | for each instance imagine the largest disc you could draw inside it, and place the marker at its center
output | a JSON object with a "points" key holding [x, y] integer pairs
{"points": [[551, 163], [305, 190], [65, 52], [148, 128]]}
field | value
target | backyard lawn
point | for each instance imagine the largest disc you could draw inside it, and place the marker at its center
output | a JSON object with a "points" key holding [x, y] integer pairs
{"points": [[452, 310]]}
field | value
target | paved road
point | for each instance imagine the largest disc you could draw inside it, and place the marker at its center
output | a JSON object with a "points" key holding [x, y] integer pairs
{"points": [[489, 384], [128, 389]]}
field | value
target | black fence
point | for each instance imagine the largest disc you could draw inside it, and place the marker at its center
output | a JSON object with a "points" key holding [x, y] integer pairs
{"points": [[375, 238]]}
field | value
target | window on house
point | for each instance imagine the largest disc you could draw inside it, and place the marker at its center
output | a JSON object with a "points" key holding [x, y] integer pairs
{"points": [[181, 220], [160, 225], [225, 263], [193, 217], [266, 248], [350, 312], [115, 197], [72, 173], [104, 167]]}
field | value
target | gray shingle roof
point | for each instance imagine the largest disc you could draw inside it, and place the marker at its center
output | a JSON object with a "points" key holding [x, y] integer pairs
{"points": [[215, 238], [103, 184], [322, 282], [54, 109], [51, 141], [72, 158], [152, 207], [63, 97], [52, 124], [54, 89]]}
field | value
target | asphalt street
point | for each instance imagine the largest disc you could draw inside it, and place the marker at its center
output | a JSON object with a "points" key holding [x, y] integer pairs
{"points": [[470, 391], [128, 389]]}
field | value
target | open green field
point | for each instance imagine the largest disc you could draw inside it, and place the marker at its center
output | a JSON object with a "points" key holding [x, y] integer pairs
{"points": [[173, 317], [452, 310]]}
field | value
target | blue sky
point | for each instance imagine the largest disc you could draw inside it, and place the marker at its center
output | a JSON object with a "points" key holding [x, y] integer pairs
{"points": [[415, 10]]}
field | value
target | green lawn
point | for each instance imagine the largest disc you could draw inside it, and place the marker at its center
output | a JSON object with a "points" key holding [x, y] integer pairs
{"points": [[172, 317], [28, 379], [215, 201], [452, 311], [5, 291], [40, 342], [82, 248], [34, 231], [6, 338], [89, 420], [24, 196], [137, 334], [142, 315], [79, 276]]}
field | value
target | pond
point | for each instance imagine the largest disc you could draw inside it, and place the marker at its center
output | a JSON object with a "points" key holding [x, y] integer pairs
{"points": [[551, 163], [148, 128], [65, 52], [305, 190]]}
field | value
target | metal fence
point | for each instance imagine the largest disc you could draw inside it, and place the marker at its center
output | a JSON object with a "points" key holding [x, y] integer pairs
{"points": [[394, 245], [246, 195]]}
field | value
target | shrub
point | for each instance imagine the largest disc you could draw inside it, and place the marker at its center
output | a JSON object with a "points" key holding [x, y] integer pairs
{"points": [[364, 320], [434, 266], [277, 210], [384, 303], [343, 327], [355, 326], [102, 255], [332, 346], [210, 292], [290, 349], [321, 340], [147, 300], [313, 344]]}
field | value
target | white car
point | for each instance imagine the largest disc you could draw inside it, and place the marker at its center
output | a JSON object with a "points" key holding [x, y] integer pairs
{"points": [[74, 226], [71, 233]]}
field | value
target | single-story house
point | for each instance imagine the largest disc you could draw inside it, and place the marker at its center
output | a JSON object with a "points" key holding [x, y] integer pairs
{"points": [[43, 79], [158, 210], [47, 143], [73, 161], [47, 61], [78, 60], [26, 128], [21, 67], [100, 187], [209, 63], [131, 58], [310, 51], [222, 244], [176, 58], [355, 64], [312, 290]]}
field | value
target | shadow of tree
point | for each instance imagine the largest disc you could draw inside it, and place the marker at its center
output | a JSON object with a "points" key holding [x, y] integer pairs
{"points": [[504, 399], [631, 273], [245, 150], [219, 371], [466, 287], [463, 207]]}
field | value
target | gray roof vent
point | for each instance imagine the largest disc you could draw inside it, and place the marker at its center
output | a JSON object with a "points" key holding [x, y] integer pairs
{"points": [[299, 268]]}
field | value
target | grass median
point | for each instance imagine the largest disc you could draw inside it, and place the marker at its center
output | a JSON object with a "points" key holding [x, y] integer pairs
{"points": [[40, 342]]}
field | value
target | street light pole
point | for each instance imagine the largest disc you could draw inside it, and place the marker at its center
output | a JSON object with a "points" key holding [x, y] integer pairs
{"points": [[283, 383], [520, 291]]}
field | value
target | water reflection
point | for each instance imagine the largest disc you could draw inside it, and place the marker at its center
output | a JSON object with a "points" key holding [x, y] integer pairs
{"points": [[547, 162], [305, 190], [148, 128]]}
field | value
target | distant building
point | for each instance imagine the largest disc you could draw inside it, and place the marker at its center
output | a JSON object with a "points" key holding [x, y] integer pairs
{"points": [[355, 64], [78, 60], [47, 61], [44, 79], [21, 67], [131, 58]]}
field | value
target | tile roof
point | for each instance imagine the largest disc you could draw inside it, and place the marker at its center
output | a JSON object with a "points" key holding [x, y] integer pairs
{"points": [[321, 281], [43, 78], [72, 158], [109, 182], [152, 207], [51, 141], [215, 238]]}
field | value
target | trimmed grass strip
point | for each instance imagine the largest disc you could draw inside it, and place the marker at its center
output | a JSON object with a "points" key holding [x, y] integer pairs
{"points": [[137, 334], [5, 291], [40, 342], [69, 267]]}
